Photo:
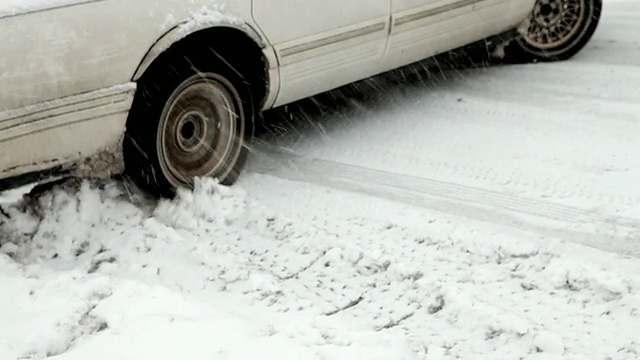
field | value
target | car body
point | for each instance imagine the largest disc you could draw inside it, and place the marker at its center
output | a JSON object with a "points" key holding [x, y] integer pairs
{"points": [[69, 69]]}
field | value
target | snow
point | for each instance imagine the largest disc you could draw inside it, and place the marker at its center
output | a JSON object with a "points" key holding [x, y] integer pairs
{"points": [[207, 16], [485, 214], [216, 273]]}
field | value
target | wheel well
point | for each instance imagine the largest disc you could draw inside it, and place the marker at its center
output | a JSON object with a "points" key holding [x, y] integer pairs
{"points": [[243, 55]]}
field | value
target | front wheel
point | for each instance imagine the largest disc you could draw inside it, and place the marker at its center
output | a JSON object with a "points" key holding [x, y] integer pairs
{"points": [[556, 30]]}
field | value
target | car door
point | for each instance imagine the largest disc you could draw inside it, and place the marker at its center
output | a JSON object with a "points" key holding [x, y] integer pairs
{"points": [[324, 44], [423, 28]]}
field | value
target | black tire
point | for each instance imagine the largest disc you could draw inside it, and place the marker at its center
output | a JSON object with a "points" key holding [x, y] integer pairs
{"points": [[192, 116], [557, 30]]}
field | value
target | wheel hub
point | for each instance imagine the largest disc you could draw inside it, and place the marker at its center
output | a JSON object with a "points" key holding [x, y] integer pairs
{"points": [[192, 129], [199, 130], [548, 12], [554, 22]]}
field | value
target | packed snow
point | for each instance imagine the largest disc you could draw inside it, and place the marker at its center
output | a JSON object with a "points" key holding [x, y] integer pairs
{"points": [[479, 214]]}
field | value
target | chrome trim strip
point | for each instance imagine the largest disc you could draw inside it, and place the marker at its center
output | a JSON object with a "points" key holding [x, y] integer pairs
{"points": [[432, 12], [348, 35]]}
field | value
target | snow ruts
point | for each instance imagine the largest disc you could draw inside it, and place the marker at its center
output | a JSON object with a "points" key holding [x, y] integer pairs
{"points": [[588, 227]]}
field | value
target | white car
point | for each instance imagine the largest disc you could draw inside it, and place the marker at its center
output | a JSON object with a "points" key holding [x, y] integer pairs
{"points": [[168, 90]]}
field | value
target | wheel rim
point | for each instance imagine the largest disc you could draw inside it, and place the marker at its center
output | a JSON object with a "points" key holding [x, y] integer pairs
{"points": [[200, 130], [553, 23]]}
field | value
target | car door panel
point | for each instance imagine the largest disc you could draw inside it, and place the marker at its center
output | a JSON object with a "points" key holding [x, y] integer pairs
{"points": [[424, 28], [322, 45]]}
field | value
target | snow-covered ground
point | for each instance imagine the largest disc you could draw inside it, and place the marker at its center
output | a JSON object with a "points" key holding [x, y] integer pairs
{"points": [[481, 214]]}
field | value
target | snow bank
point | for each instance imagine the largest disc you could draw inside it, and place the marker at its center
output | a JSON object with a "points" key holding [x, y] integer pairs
{"points": [[94, 272]]}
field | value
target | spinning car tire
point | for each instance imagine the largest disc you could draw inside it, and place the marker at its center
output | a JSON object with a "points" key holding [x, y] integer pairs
{"points": [[192, 117]]}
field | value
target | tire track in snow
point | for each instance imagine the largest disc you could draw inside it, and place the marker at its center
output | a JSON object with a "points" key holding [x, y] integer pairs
{"points": [[588, 227], [495, 105]]}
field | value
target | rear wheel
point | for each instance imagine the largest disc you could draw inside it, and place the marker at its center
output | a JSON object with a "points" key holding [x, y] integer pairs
{"points": [[557, 30], [192, 117]]}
